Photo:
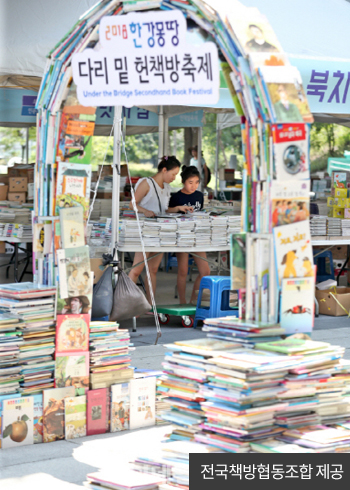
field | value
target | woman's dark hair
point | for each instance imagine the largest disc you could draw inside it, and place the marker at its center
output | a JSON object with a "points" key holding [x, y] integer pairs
{"points": [[169, 163], [188, 172]]}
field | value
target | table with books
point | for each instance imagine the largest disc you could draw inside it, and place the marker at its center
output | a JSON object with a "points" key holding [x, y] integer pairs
{"points": [[14, 260]]}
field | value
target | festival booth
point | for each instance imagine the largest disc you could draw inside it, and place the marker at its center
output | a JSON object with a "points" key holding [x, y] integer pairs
{"points": [[241, 388]]}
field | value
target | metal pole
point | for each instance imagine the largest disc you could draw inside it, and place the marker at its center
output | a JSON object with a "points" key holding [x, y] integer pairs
{"points": [[166, 134], [27, 145], [116, 175], [174, 142], [160, 133], [199, 157], [218, 136]]}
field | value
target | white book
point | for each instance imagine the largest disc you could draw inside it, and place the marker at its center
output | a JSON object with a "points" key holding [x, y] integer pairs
{"points": [[17, 422], [142, 402]]}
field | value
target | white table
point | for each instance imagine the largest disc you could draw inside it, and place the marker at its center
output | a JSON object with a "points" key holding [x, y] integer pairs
{"points": [[14, 257]]}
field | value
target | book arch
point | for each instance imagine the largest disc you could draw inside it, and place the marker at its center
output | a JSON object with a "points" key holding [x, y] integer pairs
{"points": [[272, 256]]}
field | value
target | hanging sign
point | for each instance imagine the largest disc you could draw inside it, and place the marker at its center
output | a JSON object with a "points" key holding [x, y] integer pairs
{"points": [[143, 59]]}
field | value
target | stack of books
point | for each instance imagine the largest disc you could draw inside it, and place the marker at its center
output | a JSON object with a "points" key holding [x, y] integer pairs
{"points": [[151, 233], [203, 232], [247, 333], [334, 226], [167, 233], [129, 232], [345, 227], [318, 225], [34, 308], [10, 340], [219, 226], [109, 355], [233, 226], [185, 232]]}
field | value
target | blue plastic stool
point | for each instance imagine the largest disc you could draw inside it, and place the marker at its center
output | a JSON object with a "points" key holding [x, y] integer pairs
{"points": [[217, 285], [320, 261]]}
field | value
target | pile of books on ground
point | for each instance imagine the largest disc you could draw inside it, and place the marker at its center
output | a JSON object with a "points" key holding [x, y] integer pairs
{"points": [[10, 340], [109, 354], [33, 307]]}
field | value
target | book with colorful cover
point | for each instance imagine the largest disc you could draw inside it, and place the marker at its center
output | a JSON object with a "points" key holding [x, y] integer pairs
{"points": [[73, 186], [26, 290], [38, 418], [97, 411], [297, 305], [72, 370], [74, 272], [293, 346], [120, 407], [72, 333], [291, 152], [42, 238], [293, 251], [274, 446], [72, 227], [76, 305], [75, 417], [289, 203], [17, 422], [142, 402], [284, 90], [53, 412]]}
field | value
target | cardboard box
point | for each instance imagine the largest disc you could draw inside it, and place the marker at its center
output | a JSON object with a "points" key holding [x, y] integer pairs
{"points": [[18, 184], [2, 247], [3, 193], [95, 267], [329, 306], [339, 252], [104, 195], [17, 196], [4, 179], [123, 171]]}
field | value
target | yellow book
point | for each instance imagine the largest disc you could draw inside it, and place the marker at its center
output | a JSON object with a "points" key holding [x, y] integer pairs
{"points": [[338, 192]]}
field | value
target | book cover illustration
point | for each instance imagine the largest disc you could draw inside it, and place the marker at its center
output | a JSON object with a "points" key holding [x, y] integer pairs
{"points": [[72, 227], [297, 305], [142, 402], [72, 333], [291, 152], [238, 263], [42, 238], [339, 180], [17, 422], [72, 370], [75, 417], [38, 418], [73, 186], [120, 407], [97, 411], [284, 89], [293, 251], [53, 413], [289, 204], [74, 272], [76, 305]]}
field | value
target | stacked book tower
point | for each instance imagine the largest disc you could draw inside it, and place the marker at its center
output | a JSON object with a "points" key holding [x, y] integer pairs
{"points": [[33, 307], [10, 340], [109, 355]]}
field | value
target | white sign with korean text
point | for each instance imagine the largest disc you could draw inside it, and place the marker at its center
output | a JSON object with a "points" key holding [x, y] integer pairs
{"points": [[143, 59]]}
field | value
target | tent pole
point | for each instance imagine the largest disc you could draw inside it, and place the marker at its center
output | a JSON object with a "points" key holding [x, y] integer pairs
{"points": [[160, 133], [116, 176], [199, 157], [218, 135], [27, 145], [166, 134]]}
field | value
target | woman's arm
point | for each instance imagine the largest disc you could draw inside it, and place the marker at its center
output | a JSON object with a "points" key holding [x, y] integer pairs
{"points": [[140, 193], [180, 209]]}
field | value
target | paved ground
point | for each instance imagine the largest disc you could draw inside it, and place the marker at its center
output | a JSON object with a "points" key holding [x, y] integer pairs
{"points": [[64, 464]]}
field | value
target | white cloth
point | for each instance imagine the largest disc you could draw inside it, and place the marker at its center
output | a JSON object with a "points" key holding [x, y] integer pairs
{"points": [[194, 162], [150, 200]]}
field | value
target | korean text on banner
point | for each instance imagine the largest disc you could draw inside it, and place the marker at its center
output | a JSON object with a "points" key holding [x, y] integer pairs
{"points": [[143, 59]]}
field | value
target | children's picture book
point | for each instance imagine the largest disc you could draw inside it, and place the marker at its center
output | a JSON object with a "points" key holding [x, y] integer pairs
{"points": [[339, 180], [293, 251], [72, 333], [75, 305], [72, 370], [142, 402], [42, 238], [289, 203], [74, 272], [97, 411], [72, 227], [75, 417], [284, 90], [75, 134], [297, 305], [53, 412], [120, 407], [238, 263], [73, 186], [38, 418], [17, 422], [291, 152], [57, 239]]}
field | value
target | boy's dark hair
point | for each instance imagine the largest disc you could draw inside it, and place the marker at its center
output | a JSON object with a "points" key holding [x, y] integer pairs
{"points": [[169, 163], [188, 172]]}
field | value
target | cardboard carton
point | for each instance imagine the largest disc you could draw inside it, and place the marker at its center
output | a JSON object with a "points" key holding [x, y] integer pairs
{"points": [[17, 196], [95, 267], [339, 252], [3, 192], [18, 184], [329, 305]]}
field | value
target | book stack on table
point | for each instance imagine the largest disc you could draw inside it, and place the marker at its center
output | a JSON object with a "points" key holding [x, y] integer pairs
{"points": [[185, 232], [318, 225], [345, 227], [34, 307], [203, 232], [129, 232], [10, 340], [334, 227], [233, 226], [219, 231], [151, 233], [109, 355]]}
